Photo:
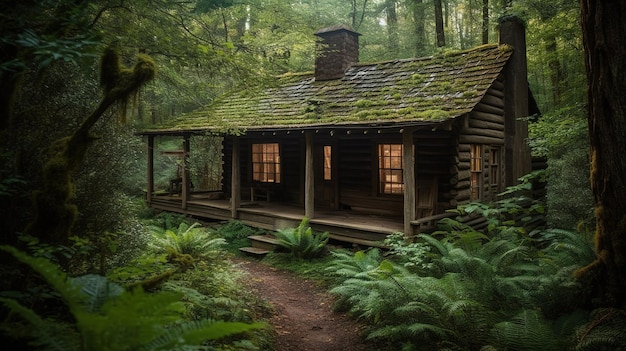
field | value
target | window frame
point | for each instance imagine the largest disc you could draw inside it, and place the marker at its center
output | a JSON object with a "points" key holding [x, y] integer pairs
{"points": [[266, 165], [390, 169], [476, 172]]}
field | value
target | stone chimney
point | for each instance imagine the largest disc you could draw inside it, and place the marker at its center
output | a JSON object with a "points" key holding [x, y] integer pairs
{"points": [[337, 50], [516, 148]]}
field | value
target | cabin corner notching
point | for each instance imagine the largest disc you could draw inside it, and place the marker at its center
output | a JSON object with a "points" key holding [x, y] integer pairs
{"points": [[391, 147]]}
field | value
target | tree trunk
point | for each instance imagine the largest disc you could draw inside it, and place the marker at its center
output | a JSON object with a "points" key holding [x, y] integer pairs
{"points": [[485, 21], [392, 28], [441, 38], [420, 36], [604, 31]]}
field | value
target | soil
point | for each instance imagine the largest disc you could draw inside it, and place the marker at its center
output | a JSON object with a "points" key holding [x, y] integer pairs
{"points": [[303, 317]]}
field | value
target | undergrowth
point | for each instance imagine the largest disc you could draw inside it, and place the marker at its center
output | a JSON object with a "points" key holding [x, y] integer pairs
{"points": [[510, 287]]}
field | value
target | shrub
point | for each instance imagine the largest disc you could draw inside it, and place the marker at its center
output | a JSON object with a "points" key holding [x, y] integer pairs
{"points": [[109, 317], [301, 242], [186, 240]]}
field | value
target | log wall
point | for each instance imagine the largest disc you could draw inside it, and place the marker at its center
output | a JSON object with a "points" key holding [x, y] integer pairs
{"points": [[484, 126]]}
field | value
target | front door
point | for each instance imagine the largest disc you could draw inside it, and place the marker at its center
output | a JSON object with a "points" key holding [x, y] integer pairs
{"points": [[325, 176]]}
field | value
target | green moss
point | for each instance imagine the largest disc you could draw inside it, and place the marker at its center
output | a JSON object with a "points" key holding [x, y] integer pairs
{"points": [[433, 114], [417, 78], [364, 103]]}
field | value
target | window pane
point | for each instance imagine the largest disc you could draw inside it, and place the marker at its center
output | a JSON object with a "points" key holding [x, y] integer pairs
{"points": [[266, 162], [390, 164]]}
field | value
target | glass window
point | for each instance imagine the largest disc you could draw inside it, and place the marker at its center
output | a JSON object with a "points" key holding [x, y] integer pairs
{"points": [[476, 169], [328, 151], [266, 163], [390, 165]]}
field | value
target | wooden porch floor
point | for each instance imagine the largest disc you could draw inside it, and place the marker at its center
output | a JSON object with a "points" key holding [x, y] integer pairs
{"points": [[342, 225]]}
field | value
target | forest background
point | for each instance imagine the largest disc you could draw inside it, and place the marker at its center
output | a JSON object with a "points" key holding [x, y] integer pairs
{"points": [[202, 49], [49, 83]]}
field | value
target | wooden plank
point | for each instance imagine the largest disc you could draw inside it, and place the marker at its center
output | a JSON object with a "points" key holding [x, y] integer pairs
{"points": [[476, 139], [235, 186], [150, 189], [496, 92], [478, 132], [493, 101], [489, 109], [309, 181], [488, 117], [408, 173], [184, 171], [477, 123]]}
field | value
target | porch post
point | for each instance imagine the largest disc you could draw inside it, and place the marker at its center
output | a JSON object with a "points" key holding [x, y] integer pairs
{"points": [[309, 179], [408, 174], [150, 178], [235, 186], [185, 177]]}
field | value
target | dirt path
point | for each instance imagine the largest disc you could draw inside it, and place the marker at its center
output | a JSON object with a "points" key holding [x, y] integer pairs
{"points": [[303, 318]]}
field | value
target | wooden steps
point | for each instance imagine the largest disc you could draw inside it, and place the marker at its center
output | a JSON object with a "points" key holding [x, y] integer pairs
{"points": [[261, 245]]}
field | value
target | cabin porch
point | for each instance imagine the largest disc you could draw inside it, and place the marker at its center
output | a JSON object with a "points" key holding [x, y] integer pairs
{"points": [[342, 225]]}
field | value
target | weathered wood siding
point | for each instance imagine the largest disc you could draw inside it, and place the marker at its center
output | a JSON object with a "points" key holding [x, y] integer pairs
{"points": [[291, 159], [484, 125]]}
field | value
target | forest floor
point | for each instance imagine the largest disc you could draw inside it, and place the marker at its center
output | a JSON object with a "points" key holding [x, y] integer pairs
{"points": [[303, 316]]}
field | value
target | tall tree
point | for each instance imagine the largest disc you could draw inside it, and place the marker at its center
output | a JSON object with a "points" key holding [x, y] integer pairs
{"points": [[419, 18], [604, 34], [441, 37], [392, 27], [485, 30]]}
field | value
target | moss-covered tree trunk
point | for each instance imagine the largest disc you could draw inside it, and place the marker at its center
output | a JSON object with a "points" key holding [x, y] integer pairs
{"points": [[604, 38], [55, 213]]}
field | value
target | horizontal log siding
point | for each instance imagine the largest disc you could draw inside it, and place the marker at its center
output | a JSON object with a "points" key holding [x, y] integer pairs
{"points": [[484, 126]]}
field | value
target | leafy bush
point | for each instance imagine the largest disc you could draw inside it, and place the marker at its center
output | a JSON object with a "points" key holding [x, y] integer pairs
{"points": [[236, 234], [461, 289], [192, 240], [109, 317], [301, 242]]}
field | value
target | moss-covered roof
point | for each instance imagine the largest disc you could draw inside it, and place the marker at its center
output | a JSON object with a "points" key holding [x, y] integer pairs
{"points": [[410, 91]]}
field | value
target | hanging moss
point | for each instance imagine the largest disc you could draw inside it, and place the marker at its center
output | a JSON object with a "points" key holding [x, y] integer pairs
{"points": [[54, 212]]}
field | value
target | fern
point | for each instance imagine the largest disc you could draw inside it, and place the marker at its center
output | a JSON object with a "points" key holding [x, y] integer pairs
{"points": [[527, 331], [110, 318], [192, 240], [301, 242]]}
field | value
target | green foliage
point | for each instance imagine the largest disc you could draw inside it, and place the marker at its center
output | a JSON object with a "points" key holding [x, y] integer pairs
{"points": [[111, 318], [236, 234], [301, 242], [193, 240], [412, 254], [459, 288]]}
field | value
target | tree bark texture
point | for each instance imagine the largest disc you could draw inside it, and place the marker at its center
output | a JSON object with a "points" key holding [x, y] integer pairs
{"points": [[604, 34], [441, 37]]}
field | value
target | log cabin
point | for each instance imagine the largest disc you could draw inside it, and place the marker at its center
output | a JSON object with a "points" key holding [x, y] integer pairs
{"points": [[362, 149]]}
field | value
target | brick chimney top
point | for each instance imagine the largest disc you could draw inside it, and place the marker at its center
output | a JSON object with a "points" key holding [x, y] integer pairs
{"points": [[337, 50]]}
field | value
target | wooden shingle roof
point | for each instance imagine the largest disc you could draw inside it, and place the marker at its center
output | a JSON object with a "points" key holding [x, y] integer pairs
{"points": [[410, 91]]}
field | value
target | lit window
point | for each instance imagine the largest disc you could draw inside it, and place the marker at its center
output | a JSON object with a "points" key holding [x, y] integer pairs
{"points": [[327, 162], [494, 167], [266, 163], [476, 170], [390, 168]]}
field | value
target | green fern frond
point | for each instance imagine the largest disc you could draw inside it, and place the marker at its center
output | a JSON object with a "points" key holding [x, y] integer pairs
{"points": [[196, 332], [44, 333], [98, 290], [52, 275], [528, 330]]}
